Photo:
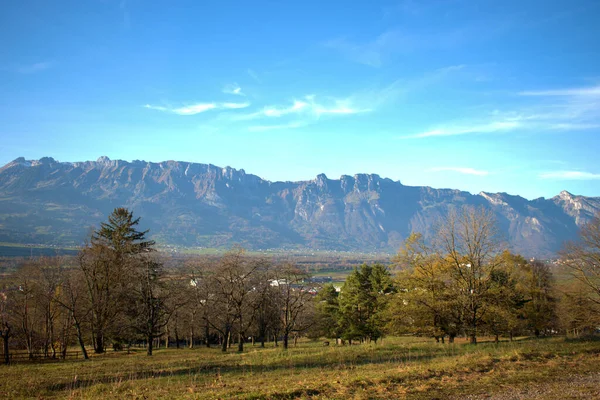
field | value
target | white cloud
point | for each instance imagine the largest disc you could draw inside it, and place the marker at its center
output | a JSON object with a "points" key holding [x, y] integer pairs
{"points": [[234, 89], [490, 127], [158, 108], [296, 107], [264, 128], [194, 109], [589, 91], [570, 175], [339, 107], [197, 108], [575, 109], [235, 105], [467, 171], [307, 108]]}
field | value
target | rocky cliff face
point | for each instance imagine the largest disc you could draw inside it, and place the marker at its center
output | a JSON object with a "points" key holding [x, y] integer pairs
{"points": [[189, 204]]}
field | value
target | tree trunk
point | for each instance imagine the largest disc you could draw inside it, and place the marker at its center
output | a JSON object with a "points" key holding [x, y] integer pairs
{"points": [[285, 341], [99, 344], [80, 339], [275, 339], [295, 340], [240, 342], [497, 338], [225, 341], [451, 339], [473, 338], [5, 336], [207, 333], [150, 344], [191, 345]]}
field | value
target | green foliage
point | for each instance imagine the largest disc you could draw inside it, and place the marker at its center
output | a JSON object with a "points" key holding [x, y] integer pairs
{"points": [[120, 233], [362, 302], [327, 318]]}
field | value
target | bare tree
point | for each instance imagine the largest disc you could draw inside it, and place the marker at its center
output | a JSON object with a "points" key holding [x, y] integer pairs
{"points": [[470, 242], [233, 282], [292, 298], [149, 296], [73, 299], [582, 258], [5, 325]]}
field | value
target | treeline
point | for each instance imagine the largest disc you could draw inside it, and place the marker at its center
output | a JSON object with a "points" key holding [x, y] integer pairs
{"points": [[464, 284], [117, 293]]}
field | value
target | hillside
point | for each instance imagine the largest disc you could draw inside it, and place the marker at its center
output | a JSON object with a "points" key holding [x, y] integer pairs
{"points": [[188, 204]]}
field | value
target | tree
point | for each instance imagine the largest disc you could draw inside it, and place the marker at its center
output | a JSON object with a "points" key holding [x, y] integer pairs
{"points": [[107, 264], [470, 241], [266, 305], [539, 310], [424, 304], [72, 298], [5, 325], [327, 318], [233, 282], [120, 234], [149, 309], [363, 300], [582, 258], [292, 298]]}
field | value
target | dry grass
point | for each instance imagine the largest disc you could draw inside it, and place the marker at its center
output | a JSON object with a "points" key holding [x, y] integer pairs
{"points": [[398, 368]]}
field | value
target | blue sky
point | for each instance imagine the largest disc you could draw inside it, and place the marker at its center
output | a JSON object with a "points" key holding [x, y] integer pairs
{"points": [[476, 95]]}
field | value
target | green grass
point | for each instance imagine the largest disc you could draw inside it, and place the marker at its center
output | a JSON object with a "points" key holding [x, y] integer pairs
{"points": [[398, 368]]}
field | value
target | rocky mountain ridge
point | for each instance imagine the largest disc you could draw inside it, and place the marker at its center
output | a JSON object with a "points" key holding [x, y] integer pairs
{"points": [[191, 204]]}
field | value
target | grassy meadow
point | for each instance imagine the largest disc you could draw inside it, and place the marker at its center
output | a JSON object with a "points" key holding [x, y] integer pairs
{"points": [[413, 368]]}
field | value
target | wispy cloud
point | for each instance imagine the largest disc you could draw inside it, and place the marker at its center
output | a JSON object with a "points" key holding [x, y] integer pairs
{"points": [[383, 48], [570, 175], [234, 105], [297, 107], [589, 91], [197, 108], [254, 75], [461, 170], [372, 53], [158, 108], [33, 68], [490, 127], [234, 89], [575, 109], [307, 106], [264, 128], [194, 109]]}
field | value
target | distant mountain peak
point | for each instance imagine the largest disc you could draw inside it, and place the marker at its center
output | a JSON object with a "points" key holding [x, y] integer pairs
{"points": [[566, 195], [103, 160], [194, 204]]}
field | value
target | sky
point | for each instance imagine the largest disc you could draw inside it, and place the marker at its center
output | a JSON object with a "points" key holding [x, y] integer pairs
{"points": [[495, 96]]}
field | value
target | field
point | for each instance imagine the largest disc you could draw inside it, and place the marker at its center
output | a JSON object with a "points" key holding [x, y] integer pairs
{"points": [[413, 368]]}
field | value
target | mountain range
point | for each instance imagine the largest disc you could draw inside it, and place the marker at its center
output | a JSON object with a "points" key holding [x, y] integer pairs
{"points": [[201, 205]]}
